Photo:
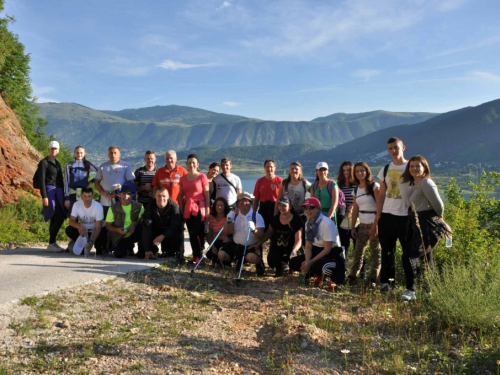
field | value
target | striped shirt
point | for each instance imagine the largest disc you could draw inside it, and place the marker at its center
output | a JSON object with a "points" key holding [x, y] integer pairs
{"points": [[144, 176], [348, 193]]}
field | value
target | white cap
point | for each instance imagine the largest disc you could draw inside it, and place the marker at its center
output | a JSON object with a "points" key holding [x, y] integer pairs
{"points": [[321, 164], [53, 144]]}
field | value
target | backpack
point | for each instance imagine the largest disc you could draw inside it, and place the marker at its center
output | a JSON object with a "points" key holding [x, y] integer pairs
{"points": [[341, 206], [36, 177], [386, 168], [254, 217]]}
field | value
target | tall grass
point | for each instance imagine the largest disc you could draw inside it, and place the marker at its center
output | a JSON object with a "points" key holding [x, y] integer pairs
{"points": [[466, 295]]}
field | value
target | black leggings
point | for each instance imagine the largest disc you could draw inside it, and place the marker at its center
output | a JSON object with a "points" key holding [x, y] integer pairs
{"points": [[56, 222], [196, 234], [277, 255]]}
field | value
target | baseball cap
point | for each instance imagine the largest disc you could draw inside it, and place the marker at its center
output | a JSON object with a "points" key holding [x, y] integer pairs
{"points": [[284, 200], [312, 202], [53, 144], [321, 164], [127, 189]]}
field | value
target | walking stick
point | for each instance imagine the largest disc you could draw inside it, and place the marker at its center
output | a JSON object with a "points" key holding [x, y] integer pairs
{"points": [[209, 247]]}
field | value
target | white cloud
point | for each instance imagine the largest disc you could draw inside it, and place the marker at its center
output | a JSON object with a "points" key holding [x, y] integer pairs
{"points": [[366, 74], [231, 104], [486, 76], [176, 65], [411, 71], [47, 100], [40, 90], [225, 4]]}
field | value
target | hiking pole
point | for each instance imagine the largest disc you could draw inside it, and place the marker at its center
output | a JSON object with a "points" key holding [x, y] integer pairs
{"points": [[238, 280], [209, 247]]}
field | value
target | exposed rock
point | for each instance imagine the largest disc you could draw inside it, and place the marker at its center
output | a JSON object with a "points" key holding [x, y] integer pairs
{"points": [[18, 159]]}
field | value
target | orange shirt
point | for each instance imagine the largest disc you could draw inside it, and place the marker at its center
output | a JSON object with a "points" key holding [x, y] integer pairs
{"points": [[170, 179]]}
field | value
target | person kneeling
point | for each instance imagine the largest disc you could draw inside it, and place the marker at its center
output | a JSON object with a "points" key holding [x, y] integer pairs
{"points": [[123, 222], [246, 224], [162, 225], [321, 258]]}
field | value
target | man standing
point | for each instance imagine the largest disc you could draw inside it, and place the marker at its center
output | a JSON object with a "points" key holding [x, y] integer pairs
{"points": [[392, 212], [247, 223], [162, 225], [112, 172], [169, 176], [85, 220], [266, 192], [124, 223], [144, 178], [228, 184]]}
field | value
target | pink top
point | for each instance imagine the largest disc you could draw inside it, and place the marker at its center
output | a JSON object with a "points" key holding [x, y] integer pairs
{"points": [[194, 195], [216, 225]]}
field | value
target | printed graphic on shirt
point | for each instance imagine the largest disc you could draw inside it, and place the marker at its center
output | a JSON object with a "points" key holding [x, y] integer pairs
{"points": [[393, 177]]}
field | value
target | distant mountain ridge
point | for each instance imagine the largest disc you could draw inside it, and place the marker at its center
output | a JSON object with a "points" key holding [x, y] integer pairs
{"points": [[180, 127], [466, 135]]}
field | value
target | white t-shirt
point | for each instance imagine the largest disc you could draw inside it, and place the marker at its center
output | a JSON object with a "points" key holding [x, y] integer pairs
{"points": [[327, 231], [297, 194], [241, 227], [394, 203], [225, 190], [111, 174], [88, 216], [366, 202]]}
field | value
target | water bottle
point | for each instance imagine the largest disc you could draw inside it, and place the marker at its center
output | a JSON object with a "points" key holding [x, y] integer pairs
{"points": [[449, 240]]}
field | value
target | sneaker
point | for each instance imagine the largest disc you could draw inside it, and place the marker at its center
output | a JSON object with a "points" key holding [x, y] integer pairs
{"points": [[384, 288], [54, 248], [71, 244], [409, 295], [194, 260], [318, 280], [260, 269]]}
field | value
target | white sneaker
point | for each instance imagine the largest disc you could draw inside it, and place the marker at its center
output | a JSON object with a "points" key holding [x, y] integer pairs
{"points": [[409, 295], [54, 248]]}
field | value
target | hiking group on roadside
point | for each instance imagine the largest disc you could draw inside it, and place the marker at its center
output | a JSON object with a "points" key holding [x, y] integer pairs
{"points": [[309, 235]]}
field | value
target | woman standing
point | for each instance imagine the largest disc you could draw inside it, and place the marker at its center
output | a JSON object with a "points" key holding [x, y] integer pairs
{"points": [[217, 220], [213, 171], [195, 204], [285, 232], [364, 206], [295, 187], [423, 235], [77, 177], [327, 191], [346, 182], [266, 192], [50, 180]]}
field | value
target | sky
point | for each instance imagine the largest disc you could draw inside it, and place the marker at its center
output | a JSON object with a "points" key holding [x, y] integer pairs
{"points": [[273, 60]]}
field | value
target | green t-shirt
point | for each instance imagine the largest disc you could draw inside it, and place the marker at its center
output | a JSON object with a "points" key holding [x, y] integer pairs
{"points": [[325, 198], [110, 217]]}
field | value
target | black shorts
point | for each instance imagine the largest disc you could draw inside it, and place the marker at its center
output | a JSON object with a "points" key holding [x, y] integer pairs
{"points": [[235, 251]]}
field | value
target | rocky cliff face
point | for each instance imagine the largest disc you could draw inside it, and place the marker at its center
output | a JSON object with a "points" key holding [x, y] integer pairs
{"points": [[18, 159]]}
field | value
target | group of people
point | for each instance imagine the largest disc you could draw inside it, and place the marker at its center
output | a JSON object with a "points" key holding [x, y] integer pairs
{"points": [[311, 235]]}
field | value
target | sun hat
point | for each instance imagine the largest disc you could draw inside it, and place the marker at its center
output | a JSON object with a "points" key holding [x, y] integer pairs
{"points": [[245, 195], [321, 164], [79, 245], [312, 202]]}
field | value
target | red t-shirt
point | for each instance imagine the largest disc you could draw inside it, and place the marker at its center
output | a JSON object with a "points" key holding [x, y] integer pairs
{"points": [[171, 180], [267, 190]]}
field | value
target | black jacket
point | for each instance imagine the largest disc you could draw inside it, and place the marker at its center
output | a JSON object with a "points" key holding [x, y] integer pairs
{"points": [[169, 222]]}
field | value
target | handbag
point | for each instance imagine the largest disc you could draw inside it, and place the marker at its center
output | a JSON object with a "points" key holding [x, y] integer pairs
{"points": [[346, 222]]}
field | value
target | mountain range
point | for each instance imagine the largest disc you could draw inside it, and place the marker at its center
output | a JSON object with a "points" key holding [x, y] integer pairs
{"points": [[180, 127]]}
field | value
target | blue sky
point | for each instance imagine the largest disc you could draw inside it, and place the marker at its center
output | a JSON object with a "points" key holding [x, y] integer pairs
{"points": [[274, 60]]}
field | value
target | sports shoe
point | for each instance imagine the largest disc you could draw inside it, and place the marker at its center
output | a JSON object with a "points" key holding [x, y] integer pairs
{"points": [[260, 269], [194, 260], [384, 288], [71, 244], [54, 248], [409, 295], [318, 280]]}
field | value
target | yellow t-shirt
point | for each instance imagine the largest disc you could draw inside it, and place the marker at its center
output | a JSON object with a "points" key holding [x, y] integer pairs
{"points": [[110, 217]]}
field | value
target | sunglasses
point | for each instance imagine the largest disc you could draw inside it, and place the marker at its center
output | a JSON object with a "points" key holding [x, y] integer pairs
{"points": [[308, 208]]}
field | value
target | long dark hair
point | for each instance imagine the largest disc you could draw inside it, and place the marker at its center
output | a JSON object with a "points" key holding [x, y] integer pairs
{"points": [[287, 180], [407, 177], [370, 184], [340, 176], [226, 206]]}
